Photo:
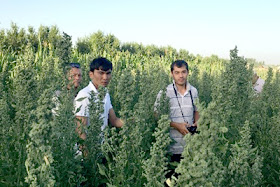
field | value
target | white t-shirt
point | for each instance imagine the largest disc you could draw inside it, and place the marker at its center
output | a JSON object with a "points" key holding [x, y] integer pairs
{"points": [[84, 103], [258, 86]]}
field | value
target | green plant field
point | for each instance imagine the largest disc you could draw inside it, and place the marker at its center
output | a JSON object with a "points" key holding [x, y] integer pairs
{"points": [[238, 144]]}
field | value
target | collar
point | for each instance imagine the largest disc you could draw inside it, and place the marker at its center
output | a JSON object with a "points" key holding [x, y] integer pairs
{"points": [[92, 87], [188, 87]]}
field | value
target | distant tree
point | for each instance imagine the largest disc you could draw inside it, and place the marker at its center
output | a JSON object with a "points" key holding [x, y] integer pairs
{"points": [[133, 48], [112, 44], [97, 41], [83, 46], [15, 39], [64, 48], [185, 55], [152, 50], [43, 34], [32, 38]]}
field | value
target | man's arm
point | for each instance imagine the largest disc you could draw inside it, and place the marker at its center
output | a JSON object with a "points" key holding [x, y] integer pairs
{"points": [[114, 120], [181, 127], [196, 117], [81, 123]]}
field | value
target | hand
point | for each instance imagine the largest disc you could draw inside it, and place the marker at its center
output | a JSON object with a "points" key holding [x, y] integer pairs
{"points": [[181, 127]]}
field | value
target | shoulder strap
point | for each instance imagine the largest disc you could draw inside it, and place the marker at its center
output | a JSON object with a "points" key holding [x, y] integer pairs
{"points": [[192, 104]]}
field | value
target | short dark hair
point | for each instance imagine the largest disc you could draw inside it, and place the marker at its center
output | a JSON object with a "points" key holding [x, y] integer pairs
{"points": [[69, 66], [179, 63], [100, 63]]}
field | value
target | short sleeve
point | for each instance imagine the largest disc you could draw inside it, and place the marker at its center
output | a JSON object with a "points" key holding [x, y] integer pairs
{"points": [[109, 104], [195, 97], [157, 102], [81, 105]]}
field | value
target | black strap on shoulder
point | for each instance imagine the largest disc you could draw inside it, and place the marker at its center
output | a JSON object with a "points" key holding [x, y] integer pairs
{"points": [[192, 105], [175, 91]]}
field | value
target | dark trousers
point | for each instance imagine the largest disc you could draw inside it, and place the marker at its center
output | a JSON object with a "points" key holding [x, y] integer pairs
{"points": [[174, 161]]}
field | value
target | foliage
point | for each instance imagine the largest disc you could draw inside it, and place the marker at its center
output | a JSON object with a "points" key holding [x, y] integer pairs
{"points": [[39, 145], [39, 151], [67, 163], [265, 125], [245, 165], [155, 167], [201, 164], [233, 93]]}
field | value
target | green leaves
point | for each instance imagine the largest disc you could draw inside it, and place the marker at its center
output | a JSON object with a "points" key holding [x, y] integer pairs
{"points": [[238, 142], [245, 164], [155, 167]]}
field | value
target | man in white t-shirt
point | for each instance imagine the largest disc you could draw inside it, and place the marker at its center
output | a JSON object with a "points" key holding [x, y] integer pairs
{"points": [[257, 83], [100, 74]]}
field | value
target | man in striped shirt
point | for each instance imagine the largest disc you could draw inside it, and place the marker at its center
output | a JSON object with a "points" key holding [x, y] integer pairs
{"points": [[183, 113]]}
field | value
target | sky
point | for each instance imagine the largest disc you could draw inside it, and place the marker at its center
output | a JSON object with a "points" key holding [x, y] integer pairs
{"points": [[204, 27]]}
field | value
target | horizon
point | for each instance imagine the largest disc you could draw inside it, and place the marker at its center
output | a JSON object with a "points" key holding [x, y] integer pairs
{"points": [[202, 28]]}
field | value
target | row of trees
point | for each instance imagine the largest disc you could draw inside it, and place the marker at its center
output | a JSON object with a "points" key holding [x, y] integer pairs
{"points": [[238, 144]]}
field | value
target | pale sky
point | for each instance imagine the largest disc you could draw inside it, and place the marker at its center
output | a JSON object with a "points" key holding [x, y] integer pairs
{"points": [[203, 27]]}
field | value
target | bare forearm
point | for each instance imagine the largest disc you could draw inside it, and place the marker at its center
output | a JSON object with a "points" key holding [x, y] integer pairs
{"points": [[118, 123], [114, 120], [81, 123], [181, 127], [174, 124]]}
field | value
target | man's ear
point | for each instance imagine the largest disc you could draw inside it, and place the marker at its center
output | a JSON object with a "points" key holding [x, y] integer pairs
{"points": [[90, 73]]}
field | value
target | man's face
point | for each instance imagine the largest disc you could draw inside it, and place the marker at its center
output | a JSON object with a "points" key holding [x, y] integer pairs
{"points": [[180, 75], [100, 77], [75, 77]]}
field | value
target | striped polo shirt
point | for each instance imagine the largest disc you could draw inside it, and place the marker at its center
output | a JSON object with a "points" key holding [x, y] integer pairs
{"points": [[176, 113]]}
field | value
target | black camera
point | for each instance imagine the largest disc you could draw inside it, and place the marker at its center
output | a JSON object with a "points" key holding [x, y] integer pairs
{"points": [[192, 129]]}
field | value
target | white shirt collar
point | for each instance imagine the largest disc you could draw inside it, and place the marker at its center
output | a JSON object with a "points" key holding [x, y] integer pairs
{"points": [[92, 87], [188, 86]]}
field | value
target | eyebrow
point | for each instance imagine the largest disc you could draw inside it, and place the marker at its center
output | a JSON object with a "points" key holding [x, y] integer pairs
{"points": [[106, 72]]}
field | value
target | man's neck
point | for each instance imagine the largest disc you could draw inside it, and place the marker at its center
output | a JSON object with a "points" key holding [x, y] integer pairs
{"points": [[95, 85], [181, 88]]}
